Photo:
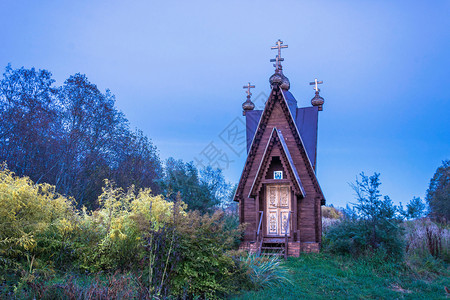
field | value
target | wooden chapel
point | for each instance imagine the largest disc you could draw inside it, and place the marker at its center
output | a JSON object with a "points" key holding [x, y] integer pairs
{"points": [[278, 193]]}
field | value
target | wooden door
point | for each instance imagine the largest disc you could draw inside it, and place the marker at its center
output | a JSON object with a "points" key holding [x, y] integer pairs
{"points": [[278, 204]]}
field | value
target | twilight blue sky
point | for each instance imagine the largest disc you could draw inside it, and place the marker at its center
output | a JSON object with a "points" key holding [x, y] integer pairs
{"points": [[177, 69]]}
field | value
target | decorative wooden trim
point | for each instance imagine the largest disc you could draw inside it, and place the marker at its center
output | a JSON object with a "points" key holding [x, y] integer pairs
{"points": [[276, 94], [275, 181], [294, 180], [300, 143], [288, 164], [255, 142], [264, 162], [257, 211]]}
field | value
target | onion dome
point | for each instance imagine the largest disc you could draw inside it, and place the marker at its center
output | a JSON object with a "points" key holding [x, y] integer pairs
{"points": [[278, 79], [317, 100], [285, 84], [247, 105]]}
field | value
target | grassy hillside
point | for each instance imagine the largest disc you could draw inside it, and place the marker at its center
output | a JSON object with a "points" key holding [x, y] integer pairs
{"points": [[325, 276]]}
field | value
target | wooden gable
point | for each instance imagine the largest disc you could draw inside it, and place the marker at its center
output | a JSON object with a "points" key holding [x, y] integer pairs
{"points": [[276, 146], [277, 114]]}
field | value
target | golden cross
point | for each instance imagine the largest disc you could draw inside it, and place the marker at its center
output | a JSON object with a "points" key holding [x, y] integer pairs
{"points": [[278, 58], [248, 87], [315, 83], [277, 61], [279, 46]]}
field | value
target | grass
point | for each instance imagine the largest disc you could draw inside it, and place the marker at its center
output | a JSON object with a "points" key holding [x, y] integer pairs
{"points": [[326, 276], [75, 286]]}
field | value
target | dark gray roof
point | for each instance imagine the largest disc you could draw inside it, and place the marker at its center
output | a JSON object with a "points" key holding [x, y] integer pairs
{"points": [[252, 119], [306, 122], [292, 103]]}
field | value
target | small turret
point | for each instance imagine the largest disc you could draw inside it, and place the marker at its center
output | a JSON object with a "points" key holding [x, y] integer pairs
{"points": [[248, 104], [317, 100], [278, 79]]}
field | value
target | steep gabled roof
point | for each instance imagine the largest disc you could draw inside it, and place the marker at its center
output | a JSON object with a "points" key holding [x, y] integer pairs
{"points": [[305, 119], [275, 95], [277, 139]]}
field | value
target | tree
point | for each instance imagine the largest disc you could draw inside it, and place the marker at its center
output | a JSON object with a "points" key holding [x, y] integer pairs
{"points": [[90, 121], [371, 206], [438, 193], [72, 137], [201, 190], [415, 209], [138, 163], [29, 124], [370, 225], [215, 181]]}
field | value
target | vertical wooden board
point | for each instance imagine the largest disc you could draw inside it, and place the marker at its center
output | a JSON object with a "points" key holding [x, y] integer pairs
{"points": [[308, 220]]}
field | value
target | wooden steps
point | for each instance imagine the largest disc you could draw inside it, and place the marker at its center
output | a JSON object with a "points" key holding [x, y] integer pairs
{"points": [[273, 246]]}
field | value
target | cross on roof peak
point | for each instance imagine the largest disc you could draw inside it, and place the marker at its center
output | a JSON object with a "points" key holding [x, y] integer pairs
{"points": [[248, 87], [315, 83], [277, 61], [278, 58], [279, 46]]}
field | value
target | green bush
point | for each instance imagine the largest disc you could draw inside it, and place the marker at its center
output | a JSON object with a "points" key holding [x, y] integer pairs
{"points": [[171, 251], [205, 268], [372, 225], [359, 237]]}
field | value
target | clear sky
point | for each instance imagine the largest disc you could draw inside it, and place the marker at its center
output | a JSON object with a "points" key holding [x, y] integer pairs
{"points": [[177, 69]]}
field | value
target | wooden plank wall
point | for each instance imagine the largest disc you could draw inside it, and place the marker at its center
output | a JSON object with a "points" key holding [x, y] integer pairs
{"points": [[307, 223]]}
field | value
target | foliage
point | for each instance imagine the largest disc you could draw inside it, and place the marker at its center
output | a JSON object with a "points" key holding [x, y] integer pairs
{"points": [[371, 206], [71, 136], [372, 225], [415, 209], [266, 272], [114, 232], [438, 193], [175, 252], [330, 212], [35, 220], [201, 190], [205, 269], [29, 123]]}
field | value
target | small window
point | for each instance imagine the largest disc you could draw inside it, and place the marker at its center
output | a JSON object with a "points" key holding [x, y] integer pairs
{"points": [[278, 175]]}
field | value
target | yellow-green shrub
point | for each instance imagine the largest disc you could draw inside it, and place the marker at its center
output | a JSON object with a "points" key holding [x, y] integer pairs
{"points": [[173, 251], [112, 236], [29, 212]]}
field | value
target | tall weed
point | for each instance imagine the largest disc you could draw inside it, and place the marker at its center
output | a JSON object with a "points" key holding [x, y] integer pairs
{"points": [[266, 272], [425, 237]]}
